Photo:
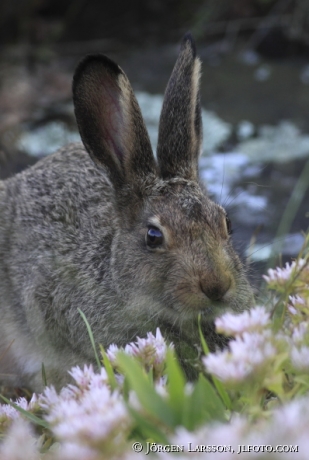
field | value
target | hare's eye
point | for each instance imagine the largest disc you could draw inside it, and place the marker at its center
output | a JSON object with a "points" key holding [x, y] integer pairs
{"points": [[154, 237], [228, 225]]}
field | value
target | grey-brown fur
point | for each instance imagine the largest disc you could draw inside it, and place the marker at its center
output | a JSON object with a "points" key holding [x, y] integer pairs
{"points": [[73, 233]]}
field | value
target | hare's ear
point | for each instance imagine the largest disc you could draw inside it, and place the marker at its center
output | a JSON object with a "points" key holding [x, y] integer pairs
{"points": [[180, 129], [110, 121]]}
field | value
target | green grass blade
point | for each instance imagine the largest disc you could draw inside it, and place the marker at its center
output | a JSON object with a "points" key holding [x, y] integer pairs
{"points": [[91, 338], [289, 213], [109, 369], [33, 418], [202, 338], [44, 378]]}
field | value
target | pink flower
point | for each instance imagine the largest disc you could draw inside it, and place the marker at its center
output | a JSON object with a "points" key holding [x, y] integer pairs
{"points": [[255, 319], [9, 412], [280, 276], [20, 442], [247, 355], [300, 358], [150, 351]]}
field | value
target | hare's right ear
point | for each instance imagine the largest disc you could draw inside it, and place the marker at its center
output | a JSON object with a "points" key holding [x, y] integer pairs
{"points": [[110, 121], [180, 128]]}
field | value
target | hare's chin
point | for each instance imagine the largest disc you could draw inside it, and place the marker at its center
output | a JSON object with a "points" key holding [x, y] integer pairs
{"points": [[208, 312]]}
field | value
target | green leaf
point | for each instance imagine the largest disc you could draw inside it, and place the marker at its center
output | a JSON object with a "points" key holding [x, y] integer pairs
{"points": [[220, 388], [222, 392], [109, 369], [204, 405], [91, 338], [175, 384], [303, 380], [147, 429], [33, 418], [151, 401]]}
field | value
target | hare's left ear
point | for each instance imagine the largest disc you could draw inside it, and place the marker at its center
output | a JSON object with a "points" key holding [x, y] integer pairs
{"points": [[180, 129], [110, 121]]}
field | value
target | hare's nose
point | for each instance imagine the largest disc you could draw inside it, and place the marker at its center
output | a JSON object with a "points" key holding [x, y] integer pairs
{"points": [[216, 290]]}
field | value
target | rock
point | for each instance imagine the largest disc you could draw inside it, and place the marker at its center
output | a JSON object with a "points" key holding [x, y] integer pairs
{"points": [[280, 143]]}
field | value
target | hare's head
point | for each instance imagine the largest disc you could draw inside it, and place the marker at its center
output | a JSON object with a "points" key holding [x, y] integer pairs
{"points": [[171, 252]]}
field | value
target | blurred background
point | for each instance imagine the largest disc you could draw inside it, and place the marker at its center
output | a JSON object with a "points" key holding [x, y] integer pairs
{"points": [[255, 96]]}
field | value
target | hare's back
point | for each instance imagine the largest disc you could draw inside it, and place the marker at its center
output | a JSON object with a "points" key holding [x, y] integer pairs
{"points": [[63, 187], [55, 210]]}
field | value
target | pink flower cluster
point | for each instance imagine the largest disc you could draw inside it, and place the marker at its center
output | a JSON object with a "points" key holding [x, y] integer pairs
{"points": [[151, 352]]}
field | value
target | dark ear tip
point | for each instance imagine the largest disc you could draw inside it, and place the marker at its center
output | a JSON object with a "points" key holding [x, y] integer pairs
{"points": [[189, 40], [94, 63]]}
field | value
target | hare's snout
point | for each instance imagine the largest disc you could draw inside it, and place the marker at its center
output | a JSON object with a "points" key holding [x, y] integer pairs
{"points": [[217, 289], [202, 289]]}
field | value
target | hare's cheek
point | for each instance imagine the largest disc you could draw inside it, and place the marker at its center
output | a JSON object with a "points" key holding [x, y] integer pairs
{"points": [[131, 268]]}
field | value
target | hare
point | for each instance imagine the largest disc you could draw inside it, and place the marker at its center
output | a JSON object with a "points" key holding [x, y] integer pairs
{"points": [[132, 241]]}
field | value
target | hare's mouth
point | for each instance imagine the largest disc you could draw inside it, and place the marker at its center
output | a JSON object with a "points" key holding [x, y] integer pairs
{"points": [[206, 305], [216, 309], [208, 311]]}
